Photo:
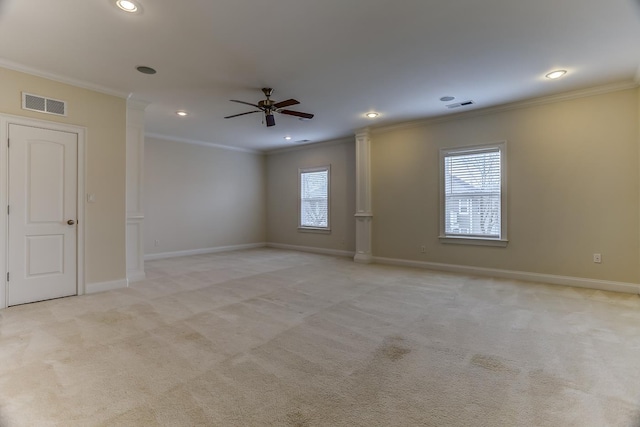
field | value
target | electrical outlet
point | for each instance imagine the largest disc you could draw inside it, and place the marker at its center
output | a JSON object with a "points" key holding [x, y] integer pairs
{"points": [[597, 258], [423, 249], [156, 242]]}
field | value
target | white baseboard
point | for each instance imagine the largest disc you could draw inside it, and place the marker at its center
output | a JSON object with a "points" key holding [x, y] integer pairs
{"points": [[323, 251], [92, 288], [579, 282], [164, 255]]}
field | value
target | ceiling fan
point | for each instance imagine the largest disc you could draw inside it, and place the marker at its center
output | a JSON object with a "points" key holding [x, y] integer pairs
{"points": [[268, 107]]}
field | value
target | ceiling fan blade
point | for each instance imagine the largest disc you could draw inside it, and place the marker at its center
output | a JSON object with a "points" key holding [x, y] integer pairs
{"points": [[286, 103], [246, 103], [271, 121], [297, 114], [242, 114]]}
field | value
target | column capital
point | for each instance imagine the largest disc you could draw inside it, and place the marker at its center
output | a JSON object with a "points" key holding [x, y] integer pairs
{"points": [[137, 104], [363, 133]]}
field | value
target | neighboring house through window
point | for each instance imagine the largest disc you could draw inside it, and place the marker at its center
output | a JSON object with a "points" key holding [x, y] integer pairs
{"points": [[473, 195], [314, 206]]}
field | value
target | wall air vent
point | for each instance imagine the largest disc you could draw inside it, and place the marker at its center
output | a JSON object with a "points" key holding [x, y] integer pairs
{"points": [[460, 104], [43, 105]]}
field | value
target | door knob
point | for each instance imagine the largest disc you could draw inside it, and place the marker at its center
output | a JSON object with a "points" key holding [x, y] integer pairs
{"points": [[71, 222]]}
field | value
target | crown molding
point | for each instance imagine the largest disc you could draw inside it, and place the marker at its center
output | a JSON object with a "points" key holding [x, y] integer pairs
{"points": [[311, 145], [61, 79], [201, 143], [566, 96]]}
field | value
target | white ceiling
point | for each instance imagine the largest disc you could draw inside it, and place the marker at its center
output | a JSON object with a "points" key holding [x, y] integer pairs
{"points": [[339, 58]]}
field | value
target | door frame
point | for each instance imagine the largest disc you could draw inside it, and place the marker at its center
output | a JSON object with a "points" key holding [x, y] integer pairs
{"points": [[5, 121]]}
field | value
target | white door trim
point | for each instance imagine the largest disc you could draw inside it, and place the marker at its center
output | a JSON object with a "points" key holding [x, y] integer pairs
{"points": [[5, 121]]}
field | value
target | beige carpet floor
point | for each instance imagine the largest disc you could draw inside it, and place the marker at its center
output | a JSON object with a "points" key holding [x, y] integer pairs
{"points": [[277, 338]]}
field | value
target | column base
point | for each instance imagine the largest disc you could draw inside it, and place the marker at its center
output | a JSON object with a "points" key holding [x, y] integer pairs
{"points": [[363, 258]]}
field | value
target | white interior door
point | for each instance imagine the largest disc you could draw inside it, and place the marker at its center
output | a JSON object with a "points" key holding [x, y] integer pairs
{"points": [[43, 171]]}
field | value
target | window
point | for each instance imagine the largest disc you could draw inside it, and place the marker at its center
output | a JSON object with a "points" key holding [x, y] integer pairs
{"points": [[314, 199], [473, 195]]}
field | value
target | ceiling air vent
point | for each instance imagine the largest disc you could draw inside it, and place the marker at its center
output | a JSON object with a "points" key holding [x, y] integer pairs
{"points": [[460, 104], [43, 105]]}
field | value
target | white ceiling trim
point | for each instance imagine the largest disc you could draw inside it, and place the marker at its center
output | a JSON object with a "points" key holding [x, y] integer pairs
{"points": [[201, 143], [312, 145], [66, 80], [598, 90]]}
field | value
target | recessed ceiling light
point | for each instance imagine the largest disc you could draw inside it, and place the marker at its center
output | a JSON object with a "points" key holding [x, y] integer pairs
{"points": [[556, 74], [146, 70], [372, 115], [447, 98], [127, 5], [182, 113], [288, 138]]}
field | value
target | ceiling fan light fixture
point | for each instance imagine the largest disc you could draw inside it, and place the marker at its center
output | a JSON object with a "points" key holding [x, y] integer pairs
{"points": [[271, 121], [128, 6], [556, 74], [372, 114]]}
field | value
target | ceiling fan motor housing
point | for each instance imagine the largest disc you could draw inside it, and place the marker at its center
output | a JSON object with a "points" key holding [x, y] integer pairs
{"points": [[267, 104]]}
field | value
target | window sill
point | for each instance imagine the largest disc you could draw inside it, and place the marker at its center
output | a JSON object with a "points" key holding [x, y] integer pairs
{"points": [[314, 230], [473, 241]]}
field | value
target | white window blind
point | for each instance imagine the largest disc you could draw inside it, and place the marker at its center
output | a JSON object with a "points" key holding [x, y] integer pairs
{"points": [[314, 198], [472, 193]]}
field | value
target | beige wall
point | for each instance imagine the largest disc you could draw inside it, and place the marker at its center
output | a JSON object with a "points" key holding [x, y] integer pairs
{"points": [[573, 182], [573, 188], [104, 116], [199, 197], [282, 195]]}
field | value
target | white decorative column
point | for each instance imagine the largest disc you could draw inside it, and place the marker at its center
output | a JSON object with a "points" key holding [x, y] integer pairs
{"points": [[135, 182], [363, 214]]}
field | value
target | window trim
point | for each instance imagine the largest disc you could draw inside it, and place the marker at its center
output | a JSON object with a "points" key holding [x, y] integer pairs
{"points": [[307, 229], [500, 241]]}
